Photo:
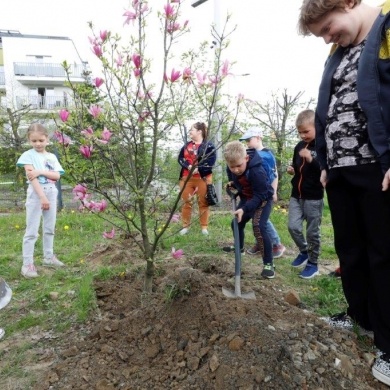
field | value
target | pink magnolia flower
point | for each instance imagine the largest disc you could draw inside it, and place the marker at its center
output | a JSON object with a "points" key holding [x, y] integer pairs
{"points": [[169, 11], [187, 73], [97, 49], [137, 72], [97, 206], [64, 115], [80, 192], [103, 35], [95, 111], [175, 74], [136, 58], [110, 235], [143, 116], [225, 68], [87, 133], [86, 150], [175, 218], [172, 27], [98, 82], [119, 60], [177, 254], [240, 97], [130, 17], [106, 134], [202, 78], [61, 138]]}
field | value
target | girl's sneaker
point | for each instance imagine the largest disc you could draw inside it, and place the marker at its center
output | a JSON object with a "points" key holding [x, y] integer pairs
{"points": [[268, 271], [2, 333], [29, 271], [53, 262]]}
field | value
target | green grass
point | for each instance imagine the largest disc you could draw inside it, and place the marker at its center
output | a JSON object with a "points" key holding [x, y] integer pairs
{"points": [[77, 237]]}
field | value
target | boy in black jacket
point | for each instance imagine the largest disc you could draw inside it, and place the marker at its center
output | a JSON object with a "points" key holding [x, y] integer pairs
{"points": [[247, 175], [306, 202]]}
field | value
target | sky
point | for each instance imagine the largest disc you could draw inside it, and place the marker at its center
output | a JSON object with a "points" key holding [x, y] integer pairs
{"points": [[265, 45]]}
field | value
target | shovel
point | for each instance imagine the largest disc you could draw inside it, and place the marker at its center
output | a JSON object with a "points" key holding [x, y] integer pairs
{"points": [[237, 253], [5, 293]]}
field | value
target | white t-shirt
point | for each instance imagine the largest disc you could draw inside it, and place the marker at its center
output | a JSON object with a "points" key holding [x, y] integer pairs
{"points": [[41, 161]]}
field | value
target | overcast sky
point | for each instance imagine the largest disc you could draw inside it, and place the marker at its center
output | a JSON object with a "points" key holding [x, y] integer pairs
{"points": [[265, 45]]}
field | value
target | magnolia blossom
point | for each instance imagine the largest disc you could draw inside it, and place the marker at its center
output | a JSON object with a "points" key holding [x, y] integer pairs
{"points": [[110, 235], [87, 133], [175, 218], [187, 73], [136, 58], [96, 206], [103, 35], [137, 72], [64, 115], [105, 136], [119, 61], [202, 78], [61, 138], [225, 68], [95, 111], [143, 116], [175, 74], [169, 11], [80, 192], [177, 254], [98, 82], [172, 27], [86, 151], [97, 49]]}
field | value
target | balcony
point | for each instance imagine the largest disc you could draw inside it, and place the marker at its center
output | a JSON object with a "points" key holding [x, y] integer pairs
{"points": [[49, 74], [44, 102], [2, 77]]}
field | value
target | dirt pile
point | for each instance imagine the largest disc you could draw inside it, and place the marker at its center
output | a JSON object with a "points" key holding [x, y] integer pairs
{"points": [[188, 335]]}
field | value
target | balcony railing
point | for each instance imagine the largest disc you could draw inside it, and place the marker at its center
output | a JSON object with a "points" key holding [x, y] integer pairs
{"points": [[34, 69], [44, 102]]}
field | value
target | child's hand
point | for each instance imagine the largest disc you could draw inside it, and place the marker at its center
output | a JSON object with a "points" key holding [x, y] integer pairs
{"points": [[32, 174], [290, 170], [45, 205], [239, 213], [386, 181], [306, 154], [324, 178]]}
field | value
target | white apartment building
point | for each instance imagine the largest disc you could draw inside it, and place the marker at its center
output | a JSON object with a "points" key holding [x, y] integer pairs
{"points": [[31, 71]]}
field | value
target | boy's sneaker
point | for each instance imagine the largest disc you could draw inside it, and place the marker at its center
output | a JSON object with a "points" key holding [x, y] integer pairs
{"points": [[231, 249], [252, 251], [310, 271], [29, 271], [268, 271], [278, 250], [344, 321], [381, 368], [205, 232], [300, 260], [2, 333], [53, 262]]}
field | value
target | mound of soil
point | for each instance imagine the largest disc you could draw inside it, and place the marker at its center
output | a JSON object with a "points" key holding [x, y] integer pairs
{"points": [[189, 335]]}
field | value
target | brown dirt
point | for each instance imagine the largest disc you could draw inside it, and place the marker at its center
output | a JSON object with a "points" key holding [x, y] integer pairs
{"points": [[188, 335]]}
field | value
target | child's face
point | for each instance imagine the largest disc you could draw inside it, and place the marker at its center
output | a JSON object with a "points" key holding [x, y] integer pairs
{"points": [[253, 142], [338, 27], [238, 167], [307, 132], [38, 141]]}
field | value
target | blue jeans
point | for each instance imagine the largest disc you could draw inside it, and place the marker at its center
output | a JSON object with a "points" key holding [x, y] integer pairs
{"points": [[272, 233], [300, 210], [259, 223]]}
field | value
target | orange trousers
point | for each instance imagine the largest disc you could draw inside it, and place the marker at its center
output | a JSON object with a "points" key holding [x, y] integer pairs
{"points": [[195, 187]]}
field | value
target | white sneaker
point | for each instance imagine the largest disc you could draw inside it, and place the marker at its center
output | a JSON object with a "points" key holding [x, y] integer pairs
{"points": [[205, 232], [183, 231], [53, 262], [29, 271], [2, 333]]}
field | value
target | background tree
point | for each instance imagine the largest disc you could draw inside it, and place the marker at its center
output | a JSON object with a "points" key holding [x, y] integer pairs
{"points": [[115, 143]]}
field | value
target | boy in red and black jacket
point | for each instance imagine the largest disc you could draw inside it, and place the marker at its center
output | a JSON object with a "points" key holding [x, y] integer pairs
{"points": [[306, 202]]}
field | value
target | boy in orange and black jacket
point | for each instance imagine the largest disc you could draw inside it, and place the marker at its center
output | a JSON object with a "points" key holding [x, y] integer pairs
{"points": [[306, 202]]}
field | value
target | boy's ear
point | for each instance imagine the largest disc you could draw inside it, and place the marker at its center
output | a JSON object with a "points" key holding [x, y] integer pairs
{"points": [[246, 158]]}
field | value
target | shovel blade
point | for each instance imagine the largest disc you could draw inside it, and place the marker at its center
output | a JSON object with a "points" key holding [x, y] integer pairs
{"points": [[5, 293], [235, 294]]}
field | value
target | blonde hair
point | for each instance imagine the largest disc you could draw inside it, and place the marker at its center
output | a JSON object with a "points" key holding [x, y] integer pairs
{"points": [[313, 11], [305, 116], [37, 128], [234, 151]]}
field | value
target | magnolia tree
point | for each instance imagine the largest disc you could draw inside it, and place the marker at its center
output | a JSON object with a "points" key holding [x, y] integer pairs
{"points": [[114, 145]]}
